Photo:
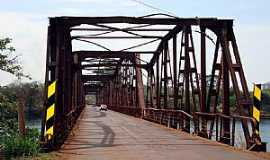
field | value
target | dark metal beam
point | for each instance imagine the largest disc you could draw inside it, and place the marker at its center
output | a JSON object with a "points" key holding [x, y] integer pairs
{"points": [[109, 54], [175, 88], [131, 29], [88, 87], [91, 93], [113, 64], [97, 77], [101, 69], [116, 37], [73, 21]]}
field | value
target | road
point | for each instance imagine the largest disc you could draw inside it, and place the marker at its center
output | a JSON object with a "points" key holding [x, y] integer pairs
{"points": [[115, 136]]}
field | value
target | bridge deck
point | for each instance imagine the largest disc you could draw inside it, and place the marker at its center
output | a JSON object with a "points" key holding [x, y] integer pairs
{"points": [[111, 135]]}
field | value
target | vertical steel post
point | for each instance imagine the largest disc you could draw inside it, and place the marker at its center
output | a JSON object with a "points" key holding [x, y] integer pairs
{"points": [[151, 86], [175, 88], [140, 92], [225, 101], [187, 74], [225, 126], [157, 84], [203, 71], [165, 87], [203, 81]]}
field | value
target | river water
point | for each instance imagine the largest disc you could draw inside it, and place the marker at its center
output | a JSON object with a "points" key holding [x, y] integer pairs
{"points": [[239, 138], [265, 132]]}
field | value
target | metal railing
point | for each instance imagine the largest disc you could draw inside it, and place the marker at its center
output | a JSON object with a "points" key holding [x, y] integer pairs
{"points": [[199, 122], [172, 118]]}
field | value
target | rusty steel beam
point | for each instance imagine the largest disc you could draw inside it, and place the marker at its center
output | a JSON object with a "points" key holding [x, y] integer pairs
{"points": [[73, 21], [97, 77], [225, 130], [91, 88], [175, 79], [187, 76], [128, 29], [115, 37], [203, 70], [140, 86], [109, 54], [157, 84], [112, 64], [96, 69], [203, 81], [165, 78]]}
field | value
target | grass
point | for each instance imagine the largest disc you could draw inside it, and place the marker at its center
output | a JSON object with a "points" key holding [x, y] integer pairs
{"points": [[15, 145], [40, 156]]}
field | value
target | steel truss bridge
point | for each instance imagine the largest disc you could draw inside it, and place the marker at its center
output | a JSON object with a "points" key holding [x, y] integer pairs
{"points": [[178, 91]]}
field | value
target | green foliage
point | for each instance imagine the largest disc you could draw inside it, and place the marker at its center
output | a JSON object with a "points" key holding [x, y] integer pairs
{"points": [[33, 94], [266, 100], [8, 61], [8, 114], [10, 141], [266, 91], [15, 145], [7, 108], [34, 99]]}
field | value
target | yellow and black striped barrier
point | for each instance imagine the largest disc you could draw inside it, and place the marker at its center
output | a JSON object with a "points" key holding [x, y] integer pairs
{"points": [[257, 98], [50, 111]]}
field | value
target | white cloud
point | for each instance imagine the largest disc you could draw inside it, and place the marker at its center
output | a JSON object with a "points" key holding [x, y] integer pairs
{"points": [[29, 39]]}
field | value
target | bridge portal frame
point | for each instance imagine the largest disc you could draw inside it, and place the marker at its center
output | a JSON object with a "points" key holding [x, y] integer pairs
{"points": [[64, 67]]}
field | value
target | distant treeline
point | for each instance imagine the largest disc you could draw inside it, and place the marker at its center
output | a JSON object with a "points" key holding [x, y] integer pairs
{"points": [[266, 101], [32, 94]]}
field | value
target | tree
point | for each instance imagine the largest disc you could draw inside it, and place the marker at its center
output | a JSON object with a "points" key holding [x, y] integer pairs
{"points": [[9, 63]]}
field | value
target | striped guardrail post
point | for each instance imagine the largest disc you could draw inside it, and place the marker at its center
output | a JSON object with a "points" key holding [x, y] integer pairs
{"points": [[50, 111], [256, 114], [256, 109]]}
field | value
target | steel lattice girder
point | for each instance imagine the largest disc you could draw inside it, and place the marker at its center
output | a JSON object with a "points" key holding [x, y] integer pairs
{"points": [[213, 24], [124, 81]]}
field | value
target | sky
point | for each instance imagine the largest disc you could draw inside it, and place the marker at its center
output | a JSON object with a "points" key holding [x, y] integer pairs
{"points": [[26, 21]]}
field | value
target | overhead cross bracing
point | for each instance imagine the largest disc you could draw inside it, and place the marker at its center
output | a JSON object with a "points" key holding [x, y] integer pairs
{"points": [[119, 51]]}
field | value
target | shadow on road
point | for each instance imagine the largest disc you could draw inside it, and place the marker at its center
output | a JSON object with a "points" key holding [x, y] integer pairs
{"points": [[107, 140]]}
